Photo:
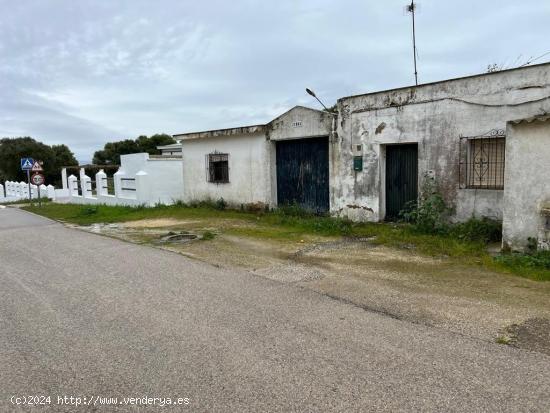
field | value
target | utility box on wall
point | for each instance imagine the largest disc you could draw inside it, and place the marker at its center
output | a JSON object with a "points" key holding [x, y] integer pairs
{"points": [[358, 158]]}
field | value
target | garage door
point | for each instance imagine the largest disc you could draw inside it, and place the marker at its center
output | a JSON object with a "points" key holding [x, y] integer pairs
{"points": [[303, 173]]}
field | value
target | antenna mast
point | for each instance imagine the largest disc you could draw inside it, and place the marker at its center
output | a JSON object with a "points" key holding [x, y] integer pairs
{"points": [[411, 8]]}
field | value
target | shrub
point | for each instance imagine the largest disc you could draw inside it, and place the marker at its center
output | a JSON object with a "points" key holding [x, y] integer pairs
{"points": [[221, 204], [208, 235], [478, 230], [430, 214]]}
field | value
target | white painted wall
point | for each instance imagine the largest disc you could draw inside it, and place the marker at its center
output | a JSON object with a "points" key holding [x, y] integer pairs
{"points": [[16, 191], [250, 179], [526, 185], [156, 181]]}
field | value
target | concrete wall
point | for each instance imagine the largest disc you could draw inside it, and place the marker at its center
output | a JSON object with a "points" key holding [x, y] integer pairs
{"points": [[164, 176], [527, 184], [300, 122], [434, 116], [138, 181], [250, 160]]}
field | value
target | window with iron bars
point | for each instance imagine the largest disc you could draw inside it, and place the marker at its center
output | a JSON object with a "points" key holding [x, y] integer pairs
{"points": [[483, 160], [217, 168]]}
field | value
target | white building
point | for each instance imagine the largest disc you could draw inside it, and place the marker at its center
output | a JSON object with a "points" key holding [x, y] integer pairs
{"points": [[526, 185], [453, 131], [367, 161], [172, 150], [252, 165]]}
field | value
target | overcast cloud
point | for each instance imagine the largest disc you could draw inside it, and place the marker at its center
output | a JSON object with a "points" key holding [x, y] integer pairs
{"points": [[89, 71]]}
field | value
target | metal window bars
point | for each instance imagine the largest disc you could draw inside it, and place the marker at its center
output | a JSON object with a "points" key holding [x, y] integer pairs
{"points": [[217, 168], [482, 160]]}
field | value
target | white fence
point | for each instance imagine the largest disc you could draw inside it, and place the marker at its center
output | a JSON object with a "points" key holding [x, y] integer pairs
{"points": [[16, 191], [138, 181]]}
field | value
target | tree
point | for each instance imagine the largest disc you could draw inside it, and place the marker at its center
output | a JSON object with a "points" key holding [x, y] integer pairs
{"points": [[110, 154], [149, 144], [54, 157]]}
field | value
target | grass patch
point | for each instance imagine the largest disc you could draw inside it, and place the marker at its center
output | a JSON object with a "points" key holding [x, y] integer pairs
{"points": [[208, 235], [535, 265], [294, 225], [505, 340]]}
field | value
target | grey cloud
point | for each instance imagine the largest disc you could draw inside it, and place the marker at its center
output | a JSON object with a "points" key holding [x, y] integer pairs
{"points": [[85, 72]]}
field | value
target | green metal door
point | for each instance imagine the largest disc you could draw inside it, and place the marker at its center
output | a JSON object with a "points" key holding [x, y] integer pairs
{"points": [[401, 178]]}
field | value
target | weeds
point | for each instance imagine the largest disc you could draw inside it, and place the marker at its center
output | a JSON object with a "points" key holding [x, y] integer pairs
{"points": [[483, 230], [465, 243], [208, 235]]}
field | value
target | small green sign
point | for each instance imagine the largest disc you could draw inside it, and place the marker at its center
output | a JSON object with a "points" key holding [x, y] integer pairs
{"points": [[357, 163]]}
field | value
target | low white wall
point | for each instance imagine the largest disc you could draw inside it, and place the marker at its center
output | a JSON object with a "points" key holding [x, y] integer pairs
{"points": [[526, 184], [139, 181], [12, 191], [249, 169]]}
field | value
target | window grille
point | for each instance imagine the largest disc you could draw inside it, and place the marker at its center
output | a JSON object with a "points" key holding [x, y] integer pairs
{"points": [[482, 161], [218, 168]]}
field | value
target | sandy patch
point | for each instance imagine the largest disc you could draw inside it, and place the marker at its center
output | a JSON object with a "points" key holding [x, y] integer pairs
{"points": [[158, 223]]}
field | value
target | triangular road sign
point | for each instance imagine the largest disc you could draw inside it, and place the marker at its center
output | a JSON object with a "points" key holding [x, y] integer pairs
{"points": [[26, 163], [37, 167]]}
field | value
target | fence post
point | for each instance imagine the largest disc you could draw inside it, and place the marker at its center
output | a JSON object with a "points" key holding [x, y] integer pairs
{"points": [[72, 183], [85, 184], [50, 190], [64, 178], [23, 190], [101, 183], [143, 191], [2, 195], [118, 184], [43, 191]]}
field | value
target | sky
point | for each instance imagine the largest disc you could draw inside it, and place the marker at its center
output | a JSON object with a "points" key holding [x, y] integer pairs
{"points": [[86, 72]]}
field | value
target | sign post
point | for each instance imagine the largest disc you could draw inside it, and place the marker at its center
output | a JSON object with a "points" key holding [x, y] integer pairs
{"points": [[38, 179], [26, 165]]}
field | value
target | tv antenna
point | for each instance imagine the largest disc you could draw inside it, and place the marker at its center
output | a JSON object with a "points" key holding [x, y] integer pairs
{"points": [[411, 8]]}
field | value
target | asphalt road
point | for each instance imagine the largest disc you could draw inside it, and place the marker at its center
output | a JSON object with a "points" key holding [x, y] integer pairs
{"points": [[85, 316]]}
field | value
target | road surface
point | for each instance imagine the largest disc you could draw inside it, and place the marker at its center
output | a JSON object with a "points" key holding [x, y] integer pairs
{"points": [[94, 318]]}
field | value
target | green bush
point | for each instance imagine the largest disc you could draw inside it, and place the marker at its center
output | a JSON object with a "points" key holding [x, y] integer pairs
{"points": [[483, 230], [208, 235], [221, 204], [430, 214]]}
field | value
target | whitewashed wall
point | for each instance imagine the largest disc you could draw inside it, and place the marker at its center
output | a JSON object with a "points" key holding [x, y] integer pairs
{"points": [[434, 116], [526, 184], [250, 179], [140, 180], [12, 191]]}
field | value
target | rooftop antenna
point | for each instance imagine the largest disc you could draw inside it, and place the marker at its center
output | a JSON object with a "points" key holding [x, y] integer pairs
{"points": [[411, 8]]}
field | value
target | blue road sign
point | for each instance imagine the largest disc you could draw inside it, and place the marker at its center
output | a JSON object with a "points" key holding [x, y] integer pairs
{"points": [[26, 164]]}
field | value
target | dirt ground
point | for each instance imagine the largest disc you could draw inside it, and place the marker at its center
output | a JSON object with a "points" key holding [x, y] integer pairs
{"points": [[464, 299]]}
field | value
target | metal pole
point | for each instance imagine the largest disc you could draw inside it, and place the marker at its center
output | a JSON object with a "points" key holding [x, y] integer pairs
{"points": [[29, 182], [39, 200], [413, 7]]}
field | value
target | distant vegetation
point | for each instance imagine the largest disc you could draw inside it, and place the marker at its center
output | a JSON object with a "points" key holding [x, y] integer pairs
{"points": [[110, 154], [54, 157]]}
